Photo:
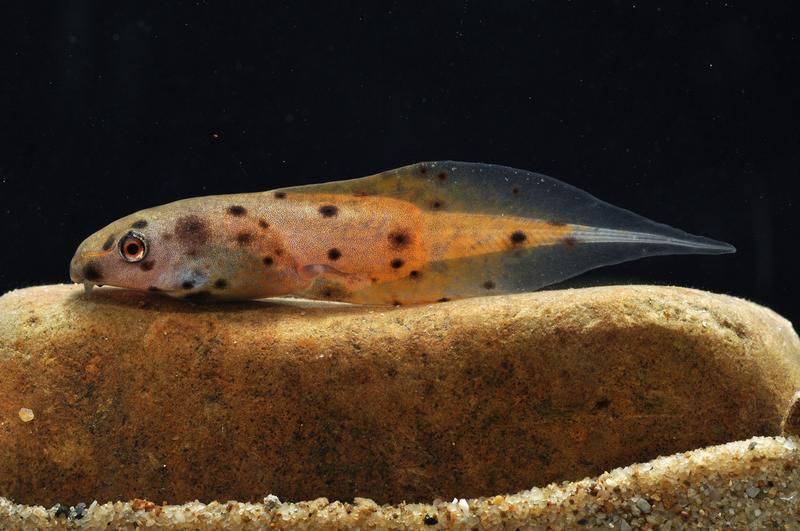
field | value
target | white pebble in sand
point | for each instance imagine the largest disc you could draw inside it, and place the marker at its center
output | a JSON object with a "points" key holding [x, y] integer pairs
{"points": [[25, 414]]}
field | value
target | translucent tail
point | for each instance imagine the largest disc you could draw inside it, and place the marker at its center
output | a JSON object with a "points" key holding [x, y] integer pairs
{"points": [[596, 233]]}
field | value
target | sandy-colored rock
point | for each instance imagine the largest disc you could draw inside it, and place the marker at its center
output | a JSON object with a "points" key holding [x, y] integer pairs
{"points": [[752, 484], [136, 396]]}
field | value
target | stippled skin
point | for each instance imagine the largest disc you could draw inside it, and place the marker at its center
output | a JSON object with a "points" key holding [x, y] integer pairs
{"points": [[411, 235]]}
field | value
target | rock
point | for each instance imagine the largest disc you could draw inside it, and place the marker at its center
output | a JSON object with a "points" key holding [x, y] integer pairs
{"points": [[137, 396], [709, 488]]}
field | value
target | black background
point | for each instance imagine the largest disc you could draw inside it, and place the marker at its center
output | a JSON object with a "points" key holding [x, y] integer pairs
{"points": [[686, 113]]}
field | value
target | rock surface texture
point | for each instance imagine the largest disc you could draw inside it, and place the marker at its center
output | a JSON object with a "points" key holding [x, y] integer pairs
{"points": [[118, 395], [752, 484]]}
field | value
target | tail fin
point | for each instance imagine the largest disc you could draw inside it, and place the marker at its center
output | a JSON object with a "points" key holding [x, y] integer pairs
{"points": [[599, 233]]}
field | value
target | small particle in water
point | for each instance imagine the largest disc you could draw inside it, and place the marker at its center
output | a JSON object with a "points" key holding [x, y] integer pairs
{"points": [[25, 414], [463, 505], [643, 505]]}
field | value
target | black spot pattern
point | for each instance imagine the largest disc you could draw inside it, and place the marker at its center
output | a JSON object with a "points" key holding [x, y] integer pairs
{"points": [[517, 237], [237, 210], [415, 274], [399, 239], [397, 263], [221, 283], [489, 284], [280, 195], [187, 284], [244, 238], [442, 175], [140, 224], [569, 241], [91, 271], [109, 242], [192, 229], [268, 261], [263, 223], [328, 211], [147, 265], [334, 254]]}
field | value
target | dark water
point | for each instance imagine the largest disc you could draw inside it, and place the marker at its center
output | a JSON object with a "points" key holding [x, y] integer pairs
{"points": [[688, 115]]}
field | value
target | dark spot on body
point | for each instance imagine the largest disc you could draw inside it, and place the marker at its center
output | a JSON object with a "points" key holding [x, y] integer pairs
{"points": [[278, 251], [373, 280], [423, 170], [167, 236], [192, 229], [333, 291], [268, 261], [153, 288], [334, 254], [244, 238], [187, 284], [140, 224], [263, 223], [147, 265], [430, 520], [517, 237], [91, 271], [397, 303], [109, 242], [197, 296], [397, 263], [437, 204], [280, 195], [237, 210], [328, 211], [415, 274], [221, 283], [442, 175], [515, 190], [603, 403], [443, 299], [191, 252], [399, 239], [569, 241], [489, 284], [555, 223]]}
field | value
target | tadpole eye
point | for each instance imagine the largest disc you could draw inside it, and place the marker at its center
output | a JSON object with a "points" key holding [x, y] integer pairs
{"points": [[132, 247]]}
